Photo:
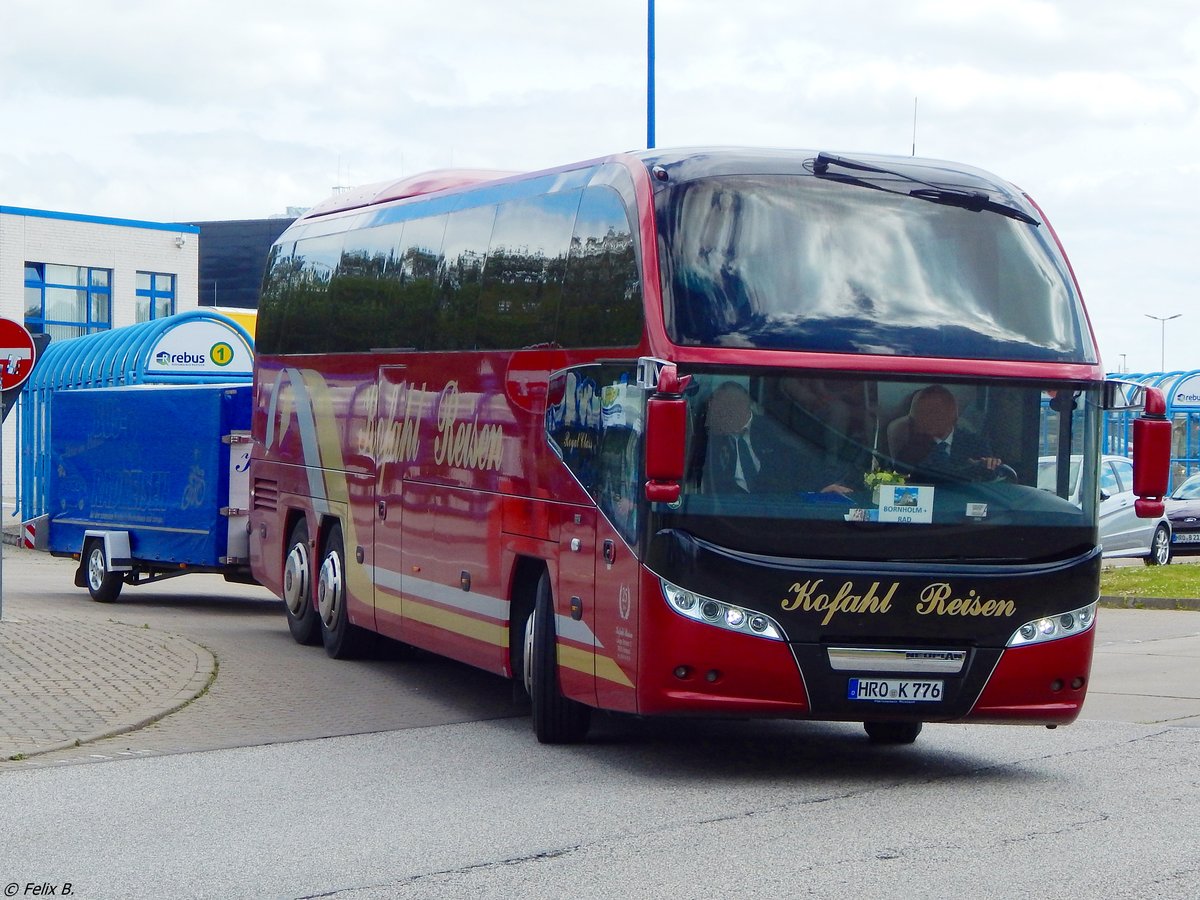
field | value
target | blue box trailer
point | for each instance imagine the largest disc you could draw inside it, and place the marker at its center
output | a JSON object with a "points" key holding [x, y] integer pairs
{"points": [[150, 481]]}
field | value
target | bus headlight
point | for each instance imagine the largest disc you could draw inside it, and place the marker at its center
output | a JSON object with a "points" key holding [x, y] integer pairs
{"points": [[1051, 628], [722, 615]]}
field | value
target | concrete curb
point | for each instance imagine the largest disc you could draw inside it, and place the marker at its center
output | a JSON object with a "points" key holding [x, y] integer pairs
{"points": [[67, 683], [1131, 601]]}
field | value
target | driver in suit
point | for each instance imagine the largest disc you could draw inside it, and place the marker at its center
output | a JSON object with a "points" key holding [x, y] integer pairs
{"points": [[935, 441]]}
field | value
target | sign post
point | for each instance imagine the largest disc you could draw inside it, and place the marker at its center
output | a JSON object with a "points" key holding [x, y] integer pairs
{"points": [[17, 356]]}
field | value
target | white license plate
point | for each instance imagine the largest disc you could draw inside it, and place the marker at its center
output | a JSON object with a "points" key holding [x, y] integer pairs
{"points": [[1190, 537], [895, 690]]}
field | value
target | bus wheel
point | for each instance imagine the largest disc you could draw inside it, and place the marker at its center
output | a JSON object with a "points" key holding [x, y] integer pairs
{"points": [[342, 640], [1160, 547], [892, 732], [556, 720], [103, 585], [297, 593]]}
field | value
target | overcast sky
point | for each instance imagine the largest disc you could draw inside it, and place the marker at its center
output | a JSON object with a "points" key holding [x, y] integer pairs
{"points": [[188, 111]]}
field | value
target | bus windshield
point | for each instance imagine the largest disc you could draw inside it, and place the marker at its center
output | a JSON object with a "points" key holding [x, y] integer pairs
{"points": [[799, 263], [806, 465]]}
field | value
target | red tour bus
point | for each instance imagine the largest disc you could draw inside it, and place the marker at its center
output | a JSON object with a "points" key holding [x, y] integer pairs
{"points": [[719, 432]]}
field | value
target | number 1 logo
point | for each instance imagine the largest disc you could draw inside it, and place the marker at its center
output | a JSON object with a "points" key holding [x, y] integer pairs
{"points": [[221, 354]]}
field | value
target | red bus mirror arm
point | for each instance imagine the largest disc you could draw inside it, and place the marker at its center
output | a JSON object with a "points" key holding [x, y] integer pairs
{"points": [[666, 437], [1151, 456]]}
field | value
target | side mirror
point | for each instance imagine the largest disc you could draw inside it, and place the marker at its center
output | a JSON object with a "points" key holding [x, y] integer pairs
{"points": [[666, 437], [1151, 456]]}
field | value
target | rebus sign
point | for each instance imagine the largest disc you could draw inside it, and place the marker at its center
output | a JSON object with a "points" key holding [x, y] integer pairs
{"points": [[201, 347]]}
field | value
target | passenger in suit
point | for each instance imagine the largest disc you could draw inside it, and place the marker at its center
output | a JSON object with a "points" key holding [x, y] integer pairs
{"points": [[929, 437], [751, 453]]}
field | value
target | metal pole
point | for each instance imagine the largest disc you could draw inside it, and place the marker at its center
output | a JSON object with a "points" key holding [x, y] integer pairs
{"points": [[1, 517], [650, 75]]}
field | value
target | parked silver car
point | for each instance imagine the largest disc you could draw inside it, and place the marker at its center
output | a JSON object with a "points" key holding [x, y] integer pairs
{"points": [[1122, 533]]}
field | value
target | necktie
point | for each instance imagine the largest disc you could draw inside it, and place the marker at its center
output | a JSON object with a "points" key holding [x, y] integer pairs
{"points": [[941, 452], [746, 467]]}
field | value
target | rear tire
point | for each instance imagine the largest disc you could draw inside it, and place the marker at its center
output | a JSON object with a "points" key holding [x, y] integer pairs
{"points": [[102, 584], [1160, 547], [303, 621], [892, 732], [556, 720], [342, 639]]}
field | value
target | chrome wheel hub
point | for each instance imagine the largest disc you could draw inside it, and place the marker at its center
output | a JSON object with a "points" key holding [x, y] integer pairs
{"points": [[295, 580], [329, 591]]}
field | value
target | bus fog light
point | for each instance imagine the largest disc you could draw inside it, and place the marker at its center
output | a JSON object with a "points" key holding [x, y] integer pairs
{"points": [[682, 672]]}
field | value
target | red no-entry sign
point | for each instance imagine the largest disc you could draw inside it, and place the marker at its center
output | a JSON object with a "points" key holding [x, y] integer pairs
{"points": [[16, 354]]}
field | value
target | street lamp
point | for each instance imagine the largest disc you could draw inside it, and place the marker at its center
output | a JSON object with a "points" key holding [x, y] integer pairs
{"points": [[1163, 320]]}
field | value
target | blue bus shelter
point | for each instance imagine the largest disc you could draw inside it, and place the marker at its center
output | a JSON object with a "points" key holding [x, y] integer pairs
{"points": [[194, 347], [1182, 392]]}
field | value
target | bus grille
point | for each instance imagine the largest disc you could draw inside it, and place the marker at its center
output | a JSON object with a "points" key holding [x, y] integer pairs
{"points": [[265, 494]]}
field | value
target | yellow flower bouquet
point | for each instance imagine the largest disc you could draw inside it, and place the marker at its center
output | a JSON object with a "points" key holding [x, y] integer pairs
{"points": [[878, 477]]}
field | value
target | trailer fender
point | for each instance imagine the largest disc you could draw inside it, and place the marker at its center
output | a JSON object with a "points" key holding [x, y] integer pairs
{"points": [[116, 549]]}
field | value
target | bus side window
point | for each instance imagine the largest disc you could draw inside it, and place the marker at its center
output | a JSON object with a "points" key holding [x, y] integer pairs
{"points": [[464, 249], [522, 278], [602, 292]]}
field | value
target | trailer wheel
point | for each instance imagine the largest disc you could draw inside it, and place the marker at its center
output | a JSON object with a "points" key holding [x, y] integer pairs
{"points": [[103, 585], [892, 732], [556, 720], [342, 639], [297, 588]]}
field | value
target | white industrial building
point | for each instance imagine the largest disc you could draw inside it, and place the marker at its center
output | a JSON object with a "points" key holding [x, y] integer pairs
{"points": [[66, 275]]}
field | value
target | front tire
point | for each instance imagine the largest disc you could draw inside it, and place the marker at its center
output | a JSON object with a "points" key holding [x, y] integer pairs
{"points": [[342, 639], [556, 720], [102, 584], [303, 621], [892, 732], [1160, 547]]}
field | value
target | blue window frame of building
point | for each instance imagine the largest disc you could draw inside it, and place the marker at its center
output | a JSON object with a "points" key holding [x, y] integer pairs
{"points": [[155, 295], [67, 301]]}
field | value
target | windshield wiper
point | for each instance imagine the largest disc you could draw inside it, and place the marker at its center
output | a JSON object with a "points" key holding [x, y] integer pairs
{"points": [[976, 201]]}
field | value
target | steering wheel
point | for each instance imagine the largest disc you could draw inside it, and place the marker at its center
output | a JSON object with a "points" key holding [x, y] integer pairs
{"points": [[1002, 472]]}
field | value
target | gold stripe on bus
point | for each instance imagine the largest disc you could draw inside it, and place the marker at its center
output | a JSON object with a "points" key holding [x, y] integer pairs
{"points": [[487, 632], [337, 488], [584, 661]]}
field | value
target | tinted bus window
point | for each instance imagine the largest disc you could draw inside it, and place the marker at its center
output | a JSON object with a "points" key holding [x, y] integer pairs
{"points": [[522, 279], [298, 305], [602, 293], [464, 250], [413, 321]]}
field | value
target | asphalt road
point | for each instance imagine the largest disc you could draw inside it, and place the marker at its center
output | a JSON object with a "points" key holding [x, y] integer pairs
{"points": [[299, 776]]}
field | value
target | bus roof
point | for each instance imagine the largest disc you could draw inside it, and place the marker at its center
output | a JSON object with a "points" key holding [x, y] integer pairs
{"points": [[412, 186]]}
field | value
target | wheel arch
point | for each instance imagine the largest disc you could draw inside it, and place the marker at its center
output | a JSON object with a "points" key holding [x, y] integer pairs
{"points": [[522, 592]]}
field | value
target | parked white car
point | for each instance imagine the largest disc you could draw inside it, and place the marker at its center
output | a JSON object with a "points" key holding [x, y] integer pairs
{"points": [[1122, 533]]}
